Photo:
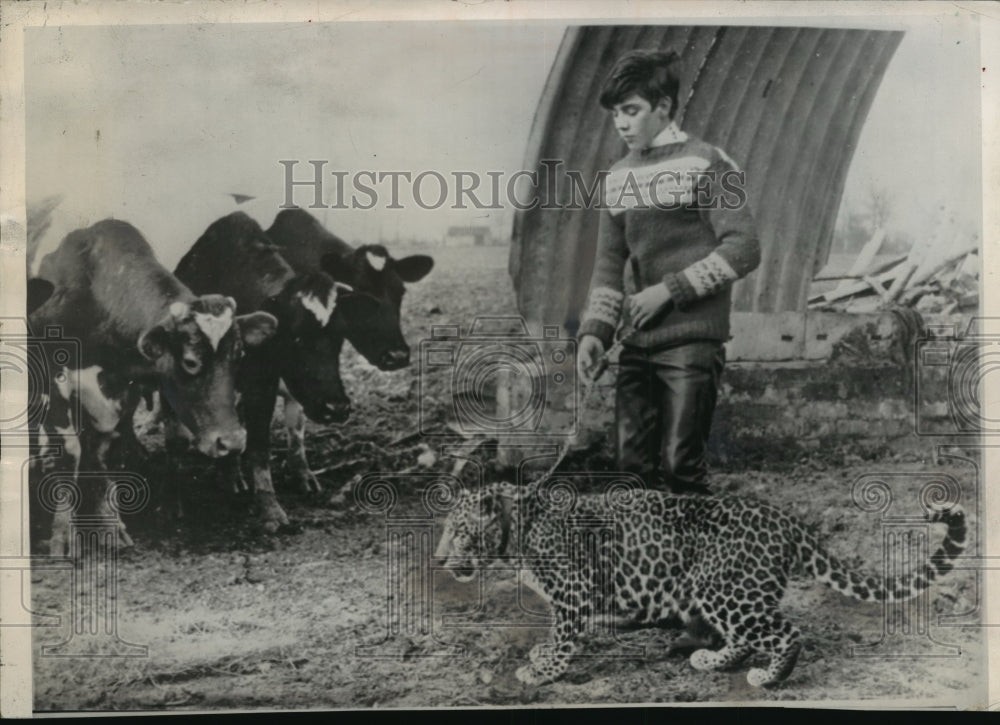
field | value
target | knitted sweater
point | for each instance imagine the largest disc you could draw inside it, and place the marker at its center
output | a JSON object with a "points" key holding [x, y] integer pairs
{"points": [[667, 219]]}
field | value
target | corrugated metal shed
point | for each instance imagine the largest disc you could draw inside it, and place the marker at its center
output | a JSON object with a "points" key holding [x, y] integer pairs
{"points": [[787, 104]]}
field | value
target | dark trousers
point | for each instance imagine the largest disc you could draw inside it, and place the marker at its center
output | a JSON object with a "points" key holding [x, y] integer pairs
{"points": [[664, 405]]}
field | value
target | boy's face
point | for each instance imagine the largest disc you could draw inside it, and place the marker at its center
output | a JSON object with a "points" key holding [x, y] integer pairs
{"points": [[638, 122]]}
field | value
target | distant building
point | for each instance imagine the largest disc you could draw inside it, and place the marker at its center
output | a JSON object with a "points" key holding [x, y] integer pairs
{"points": [[471, 236]]}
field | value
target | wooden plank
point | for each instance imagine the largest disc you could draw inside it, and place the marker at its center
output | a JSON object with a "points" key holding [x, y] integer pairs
{"points": [[899, 284], [864, 260], [855, 287], [931, 268]]}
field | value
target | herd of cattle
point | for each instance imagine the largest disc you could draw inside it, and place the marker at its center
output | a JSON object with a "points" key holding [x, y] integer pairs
{"points": [[299, 292]]}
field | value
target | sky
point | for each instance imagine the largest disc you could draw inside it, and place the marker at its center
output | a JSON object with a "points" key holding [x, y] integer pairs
{"points": [[189, 114], [159, 124], [920, 145]]}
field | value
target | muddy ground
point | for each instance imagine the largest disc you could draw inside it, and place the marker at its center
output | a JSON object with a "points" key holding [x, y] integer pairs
{"points": [[233, 618]]}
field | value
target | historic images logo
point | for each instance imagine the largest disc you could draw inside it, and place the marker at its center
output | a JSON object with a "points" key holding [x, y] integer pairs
{"points": [[551, 187]]}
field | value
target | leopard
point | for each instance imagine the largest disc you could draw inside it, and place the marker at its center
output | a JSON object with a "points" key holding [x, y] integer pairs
{"points": [[723, 560]]}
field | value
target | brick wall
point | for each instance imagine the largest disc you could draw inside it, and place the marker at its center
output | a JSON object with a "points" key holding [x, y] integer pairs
{"points": [[864, 390]]}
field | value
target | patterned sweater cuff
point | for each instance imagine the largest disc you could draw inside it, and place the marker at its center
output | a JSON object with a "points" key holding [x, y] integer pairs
{"points": [[710, 275], [601, 317], [682, 293], [601, 330]]}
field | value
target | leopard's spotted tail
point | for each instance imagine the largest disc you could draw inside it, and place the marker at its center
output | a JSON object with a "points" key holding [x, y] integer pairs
{"points": [[829, 570]]}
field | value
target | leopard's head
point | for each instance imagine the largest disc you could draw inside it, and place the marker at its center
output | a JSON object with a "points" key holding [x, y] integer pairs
{"points": [[477, 530]]}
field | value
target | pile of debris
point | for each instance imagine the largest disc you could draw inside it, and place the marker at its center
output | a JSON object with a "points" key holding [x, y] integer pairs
{"points": [[933, 278]]}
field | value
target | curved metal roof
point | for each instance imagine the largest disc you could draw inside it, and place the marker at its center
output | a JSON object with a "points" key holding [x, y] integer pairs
{"points": [[787, 104]]}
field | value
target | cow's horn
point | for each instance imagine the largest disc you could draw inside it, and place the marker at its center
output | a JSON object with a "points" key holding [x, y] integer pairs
{"points": [[231, 301], [341, 286]]}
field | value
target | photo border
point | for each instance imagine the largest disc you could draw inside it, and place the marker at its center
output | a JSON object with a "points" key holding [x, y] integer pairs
{"points": [[15, 645]]}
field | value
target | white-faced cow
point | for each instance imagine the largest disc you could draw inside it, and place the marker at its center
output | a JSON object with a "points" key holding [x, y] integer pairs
{"points": [[234, 257], [137, 325], [370, 270]]}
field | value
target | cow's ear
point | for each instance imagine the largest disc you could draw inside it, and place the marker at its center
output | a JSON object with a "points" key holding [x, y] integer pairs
{"points": [[357, 305], [39, 291], [257, 328], [154, 342], [413, 268], [337, 267]]}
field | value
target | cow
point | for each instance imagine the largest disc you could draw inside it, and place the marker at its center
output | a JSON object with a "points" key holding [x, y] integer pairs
{"points": [[319, 305], [234, 257], [38, 293], [368, 269], [305, 244], [137, 325]]}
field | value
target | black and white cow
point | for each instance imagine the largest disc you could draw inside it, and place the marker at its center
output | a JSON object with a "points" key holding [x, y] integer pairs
{"points": [[137, 325], [368, 269], [234, 257], [356, 296], [305, 244]]}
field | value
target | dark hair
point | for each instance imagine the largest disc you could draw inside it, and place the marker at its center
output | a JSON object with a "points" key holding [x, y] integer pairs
{"points": [[648, 73]]}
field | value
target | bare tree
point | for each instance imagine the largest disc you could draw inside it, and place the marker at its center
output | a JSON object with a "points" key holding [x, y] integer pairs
{"points": [[879, 206]]}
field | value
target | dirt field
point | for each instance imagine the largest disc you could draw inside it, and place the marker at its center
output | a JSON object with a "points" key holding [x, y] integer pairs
{"points": [[236, 619]]}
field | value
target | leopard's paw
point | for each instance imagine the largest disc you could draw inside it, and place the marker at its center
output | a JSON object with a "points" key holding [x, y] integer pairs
{"points": [[529, 675], [538, 654], [703, 659]]}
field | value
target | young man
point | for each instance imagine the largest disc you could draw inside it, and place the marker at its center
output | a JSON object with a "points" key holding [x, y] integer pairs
{"points": [[674, 236]]}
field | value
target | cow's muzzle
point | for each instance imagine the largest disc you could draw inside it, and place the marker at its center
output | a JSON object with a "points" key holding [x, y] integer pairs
{"points": [[336, 412], [215, 444]]}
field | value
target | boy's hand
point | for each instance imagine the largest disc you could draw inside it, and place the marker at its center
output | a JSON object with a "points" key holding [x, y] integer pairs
{"points": [[589, 351], [644, 306]]}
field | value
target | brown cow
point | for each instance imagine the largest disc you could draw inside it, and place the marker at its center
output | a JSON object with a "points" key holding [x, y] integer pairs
{"points": [[136, 325]]}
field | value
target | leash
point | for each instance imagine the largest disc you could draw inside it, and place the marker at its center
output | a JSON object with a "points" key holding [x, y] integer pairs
{"points": [[506, 503], [600, 368]]}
